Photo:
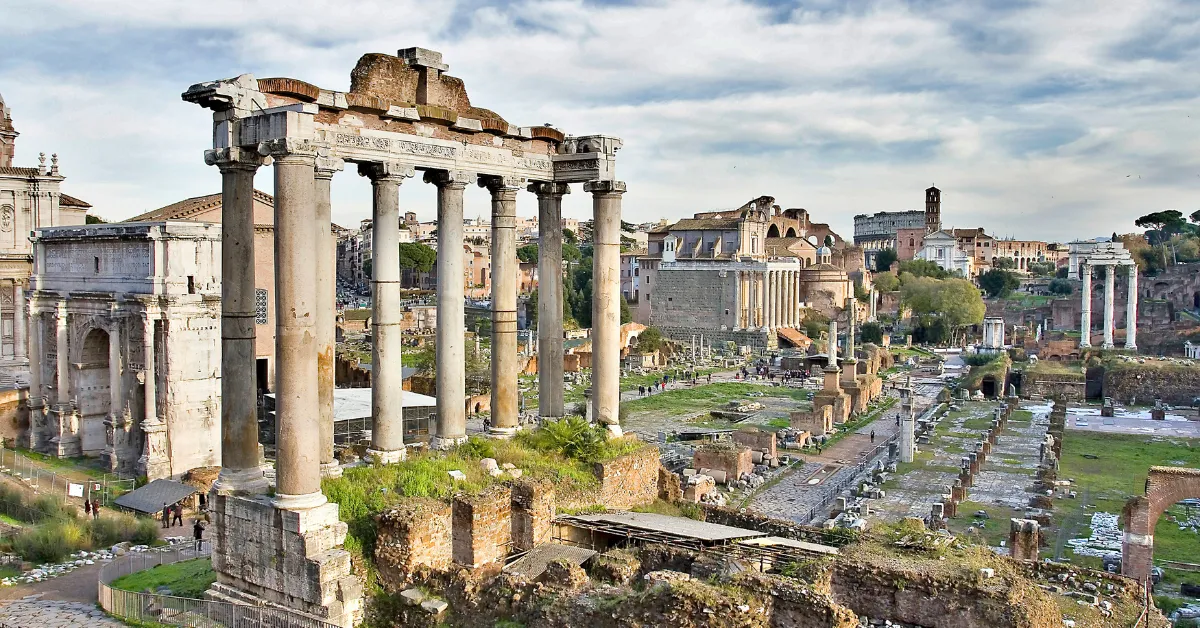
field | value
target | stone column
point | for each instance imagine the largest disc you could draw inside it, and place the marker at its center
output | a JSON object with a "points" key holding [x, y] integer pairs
{"points": [[792, 296], [1085, 316], [298, 440], [20, 328], [325, 249], [116, 394], [154, 462], [831, 347], [741, 300], [241, 468], [504, 304], [37, 396], [772, 299], [1131, 310], [387, 380], [1110, 273], [64, 373], [550, 298], [759, 298], [451, 387], [606, 311]]}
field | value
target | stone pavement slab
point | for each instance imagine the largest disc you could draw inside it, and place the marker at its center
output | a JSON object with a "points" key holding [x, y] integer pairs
{"points": [[37, 613]]}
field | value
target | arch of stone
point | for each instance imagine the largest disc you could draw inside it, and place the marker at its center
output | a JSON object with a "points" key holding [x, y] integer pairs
{"points": [[1112, 256], [403, 114], [1164, 486]]}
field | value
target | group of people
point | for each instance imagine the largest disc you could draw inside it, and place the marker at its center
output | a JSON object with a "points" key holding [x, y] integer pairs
{"points": [[171, 514], [661, 385], [92, 507]]}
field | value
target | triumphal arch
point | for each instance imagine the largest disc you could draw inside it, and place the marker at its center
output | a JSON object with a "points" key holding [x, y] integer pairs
{"points": [[403, 114]]}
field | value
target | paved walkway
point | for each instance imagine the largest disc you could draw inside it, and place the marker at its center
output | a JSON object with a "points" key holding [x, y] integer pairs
{"points": [[31, 612]]}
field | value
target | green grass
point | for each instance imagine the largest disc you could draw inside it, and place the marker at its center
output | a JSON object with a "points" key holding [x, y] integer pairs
{"points": [[994, 530], [85, 466], [708, 396], [632, 382], [187, 578]]}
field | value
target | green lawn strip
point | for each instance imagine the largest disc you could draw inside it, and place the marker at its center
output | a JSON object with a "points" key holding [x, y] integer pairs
{"points": [[631, 382], [187, 578], [89, 467], [990, 531], [709, 397]]}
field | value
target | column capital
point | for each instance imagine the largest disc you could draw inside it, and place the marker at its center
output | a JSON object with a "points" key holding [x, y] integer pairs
{"points": [[327, 167], [454, 179], [386, 171], [546, 189], [601, 188], [288, 148], [233, 158], [502, 186]]}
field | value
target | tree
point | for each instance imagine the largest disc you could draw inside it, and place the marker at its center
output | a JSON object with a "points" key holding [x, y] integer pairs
{"points": [[626, 314], [955, 303], [923, 268], [417, 256], [860, 291], [814, 323], [650, 340], [1195, 216], [1004, 263], [1042, 269], [571, 253], [829, 241], [872, 332], [1062, 272], [887, 282], [1060, 286], [367, 265], [528, 253], [884, 259], [998, 283], [569, 237], [93, 219], [1162, 224]]}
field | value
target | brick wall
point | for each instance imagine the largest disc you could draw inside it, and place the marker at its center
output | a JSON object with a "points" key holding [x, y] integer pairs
{"points": [[14, 414], [733, 461], [532, 515], [628, 481], [1164, 487], [756, 440], [818, 422], [1175, 385], [415, 534], [482, 526]]}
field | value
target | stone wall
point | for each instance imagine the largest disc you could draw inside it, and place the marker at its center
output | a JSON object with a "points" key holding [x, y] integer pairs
{"points": [[14, 415], [532, 515], [817, 422], [628, 481], [699, 299], [733, 461], [718, 337], [1174, 384], [757, 440], [1053, 387], [415, 534], [482, 526]]}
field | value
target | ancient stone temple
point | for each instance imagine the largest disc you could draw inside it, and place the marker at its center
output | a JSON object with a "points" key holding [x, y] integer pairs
{"points": [[124, 355], [1113, 257], [402, 114]]}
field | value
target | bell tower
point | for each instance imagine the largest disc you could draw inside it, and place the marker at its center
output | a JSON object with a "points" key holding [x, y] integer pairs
{"points": [[8, 136], [933, 210]]}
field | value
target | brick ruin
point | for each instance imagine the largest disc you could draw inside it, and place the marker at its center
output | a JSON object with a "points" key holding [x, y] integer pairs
{"points": [[1164, 487]]}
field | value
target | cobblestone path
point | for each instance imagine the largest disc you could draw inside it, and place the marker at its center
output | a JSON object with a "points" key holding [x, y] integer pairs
{"points": [[31, 612]]}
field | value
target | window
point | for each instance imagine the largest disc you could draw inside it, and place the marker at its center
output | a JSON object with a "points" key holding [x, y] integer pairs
{"points": [[260, 307]]}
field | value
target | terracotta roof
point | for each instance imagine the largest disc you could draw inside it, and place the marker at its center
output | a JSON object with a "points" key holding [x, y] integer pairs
{"points": [[71, 201], [20, 172], [688, 224], [190, 207]]}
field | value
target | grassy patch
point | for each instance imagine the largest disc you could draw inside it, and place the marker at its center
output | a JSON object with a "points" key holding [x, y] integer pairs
{"points": [[678, 509], [187, 578], [708, 396], [988, 531]]}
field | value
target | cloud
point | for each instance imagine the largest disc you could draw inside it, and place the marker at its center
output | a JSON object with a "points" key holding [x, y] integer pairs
{"points": [[1029, 115]]}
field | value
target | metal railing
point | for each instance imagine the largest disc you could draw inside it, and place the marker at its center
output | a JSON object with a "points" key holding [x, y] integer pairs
{"points": [[106, 488], [172, 610]]}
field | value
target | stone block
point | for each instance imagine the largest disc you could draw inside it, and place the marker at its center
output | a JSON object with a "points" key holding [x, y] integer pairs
{"points": [[482, 527], [532, 515], [629, 481], [734, 461], [415, 534]]}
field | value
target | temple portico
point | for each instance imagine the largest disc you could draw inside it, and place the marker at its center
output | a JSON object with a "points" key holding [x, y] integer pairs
{"points": [[389, 129], [1112, 257]]}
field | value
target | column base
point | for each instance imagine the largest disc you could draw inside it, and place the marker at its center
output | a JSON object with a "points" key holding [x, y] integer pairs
{"points": [[1130, 347], [443, 443], [241, 482], [503, 432], [614, 431], [331, 470], [1085, 345], [387, 456], [1107, 345], [284, 501]]}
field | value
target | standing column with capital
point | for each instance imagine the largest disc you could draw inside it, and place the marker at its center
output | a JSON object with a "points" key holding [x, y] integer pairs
{"points": [[504, 304], [116, 394], [1110, 273], [63, 398], [1131, 305], [298, 444], [1085, 316], [154, 463], [451, 426], [758, 300], [387, 379], [792, 310], [37, 394], [20, 323], [772, 294], [551, 403], [241, 468], [326, 286], [606, 310]]}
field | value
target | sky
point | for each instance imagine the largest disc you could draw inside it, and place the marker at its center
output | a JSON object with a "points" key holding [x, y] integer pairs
{"points": [[1038, 120]]}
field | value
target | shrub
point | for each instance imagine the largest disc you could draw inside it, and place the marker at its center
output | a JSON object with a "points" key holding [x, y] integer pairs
{"points": [[53, 507], [146, 532], [52, 542], [979, 359]]}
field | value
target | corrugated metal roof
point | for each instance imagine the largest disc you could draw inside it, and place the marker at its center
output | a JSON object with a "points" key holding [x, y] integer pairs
{"points": [[680, 526], [535, 562], [778, 541], [150, 498]]}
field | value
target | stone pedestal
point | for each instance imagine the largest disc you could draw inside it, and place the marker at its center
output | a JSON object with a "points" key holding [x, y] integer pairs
{"points": [[287, 558], [1023, 539], [908, 442], [154, 462]]}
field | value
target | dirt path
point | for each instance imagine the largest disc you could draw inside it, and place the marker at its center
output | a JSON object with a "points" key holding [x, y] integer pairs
{"points": [[78, 586]]}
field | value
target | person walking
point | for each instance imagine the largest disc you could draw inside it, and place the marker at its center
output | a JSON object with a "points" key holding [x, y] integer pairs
{"points": [[178, 515], [872, 436], [95, 508], [198, 534], [166, 516], [87, 508]]}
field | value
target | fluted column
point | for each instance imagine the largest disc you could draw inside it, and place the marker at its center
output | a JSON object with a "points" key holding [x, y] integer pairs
{"points": [[758, 299], [64, 373], [149, 377], [298, 441], [772, 295], [241, 468], [793, 319], [451, 388], [550, 298], [387, 379], [116, 393], [325, 249], [1085, 316], [37, 395], [504, 304], [1131, 306], [1110, 273], [20, 323], [744, 300], [606, 308]]}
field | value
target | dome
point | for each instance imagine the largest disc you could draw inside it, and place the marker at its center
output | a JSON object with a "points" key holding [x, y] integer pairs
{"points": [[824, 251]]}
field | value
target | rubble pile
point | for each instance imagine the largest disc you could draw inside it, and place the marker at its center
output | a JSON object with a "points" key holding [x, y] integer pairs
{"points": [[81, 559], [1105, 540]]}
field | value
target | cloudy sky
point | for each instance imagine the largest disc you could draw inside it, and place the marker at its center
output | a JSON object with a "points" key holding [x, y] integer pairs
{"points": [[1049, 120]]}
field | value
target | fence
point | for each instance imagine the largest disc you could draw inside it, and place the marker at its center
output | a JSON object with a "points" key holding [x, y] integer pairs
{"points": [[105, 488], [172, 610]]}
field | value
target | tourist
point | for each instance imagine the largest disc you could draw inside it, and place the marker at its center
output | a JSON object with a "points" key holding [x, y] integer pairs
{"points": [[178, 515], [95, 508], [642, 390], [198, 534], [87, 508], [872, 436], [166, 516]]}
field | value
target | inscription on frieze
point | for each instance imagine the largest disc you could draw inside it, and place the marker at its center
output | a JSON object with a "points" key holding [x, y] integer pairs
{"points": [[591, 164]]}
